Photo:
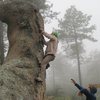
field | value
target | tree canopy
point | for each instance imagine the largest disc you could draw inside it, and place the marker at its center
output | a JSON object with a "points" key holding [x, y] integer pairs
{"points": [[75, 21], [75, 25]]}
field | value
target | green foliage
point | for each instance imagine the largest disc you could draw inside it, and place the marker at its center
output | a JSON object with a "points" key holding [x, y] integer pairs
{"points": [[75, 27], [75, 21], [74, 50], [43, 5], [40, 4], [45, 9]]}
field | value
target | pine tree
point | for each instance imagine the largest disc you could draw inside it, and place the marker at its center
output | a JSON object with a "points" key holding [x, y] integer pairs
{"points": [[75, 27]]}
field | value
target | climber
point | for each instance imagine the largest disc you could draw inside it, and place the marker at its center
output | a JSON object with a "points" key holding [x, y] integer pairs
{"points": [[50, 52], [89, 93], [51, 48]]}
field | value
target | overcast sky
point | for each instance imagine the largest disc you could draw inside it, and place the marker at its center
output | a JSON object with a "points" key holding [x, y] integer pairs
{"points": [[90, 7]]}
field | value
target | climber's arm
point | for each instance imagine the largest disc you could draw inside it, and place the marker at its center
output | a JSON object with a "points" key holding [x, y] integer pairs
{"points": [[49, 36]]}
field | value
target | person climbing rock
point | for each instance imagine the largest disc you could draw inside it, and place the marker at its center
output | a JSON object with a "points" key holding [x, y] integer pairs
{"points": [[51, 48], [89, 93], [50, 52]]}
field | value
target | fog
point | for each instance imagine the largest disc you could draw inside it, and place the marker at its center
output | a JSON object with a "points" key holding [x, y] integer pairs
{"points": [[62, 69], [90, 7]]}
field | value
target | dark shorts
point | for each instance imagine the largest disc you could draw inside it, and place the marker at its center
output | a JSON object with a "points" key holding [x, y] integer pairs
{"points": [[52, 58]]}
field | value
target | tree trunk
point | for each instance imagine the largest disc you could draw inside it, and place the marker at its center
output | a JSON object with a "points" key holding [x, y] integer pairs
{"points": [[1, 44], [21, 67]]}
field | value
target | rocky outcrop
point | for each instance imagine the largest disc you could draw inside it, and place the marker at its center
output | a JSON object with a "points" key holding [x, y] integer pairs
{"points": [[21, 67]]}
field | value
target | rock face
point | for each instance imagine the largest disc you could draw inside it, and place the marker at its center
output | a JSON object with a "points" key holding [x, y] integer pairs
{"points": [[21, 67]]}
